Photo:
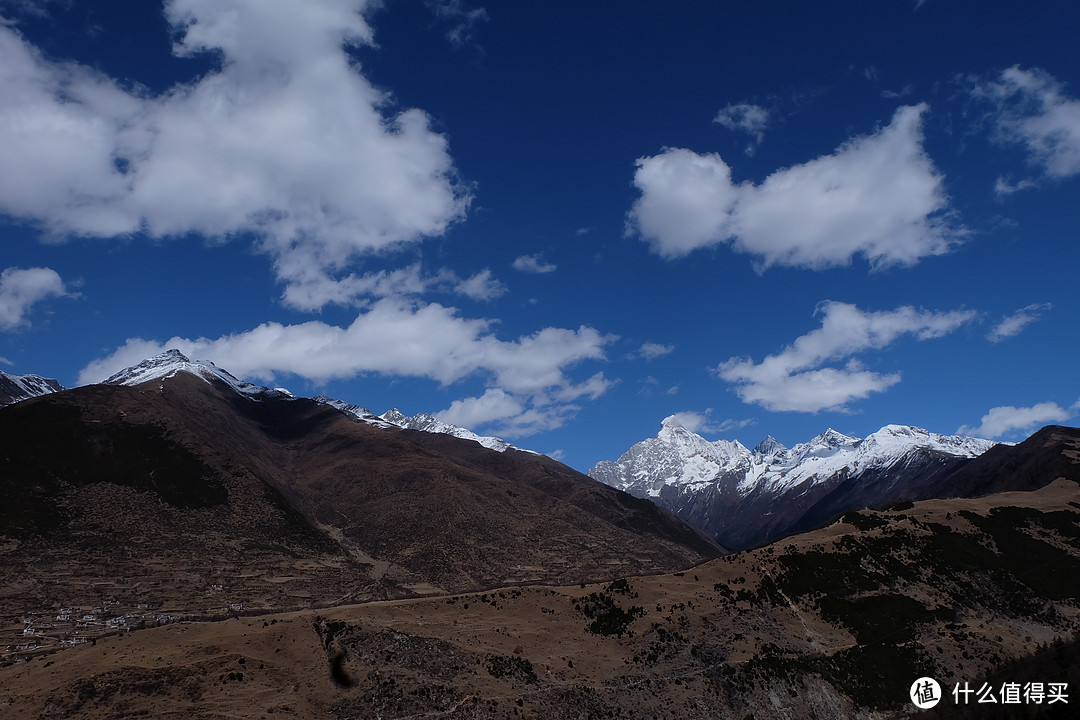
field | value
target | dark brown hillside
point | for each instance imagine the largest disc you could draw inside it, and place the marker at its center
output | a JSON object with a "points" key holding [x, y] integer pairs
{"points": [[188, 495], [1051, 453], [836, 623]]}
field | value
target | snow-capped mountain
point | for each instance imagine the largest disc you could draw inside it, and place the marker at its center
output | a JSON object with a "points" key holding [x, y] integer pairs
{"points": [[171, 362], [358, 412], [14, 388], [743, 497], [430, 423], [421, 421]]}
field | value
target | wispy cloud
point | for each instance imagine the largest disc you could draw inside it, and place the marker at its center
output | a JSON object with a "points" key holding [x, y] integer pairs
{"points": [[877, 195], [1033, 110], [795, 379], [21, 289], [1014, 324], [534, 264], [651, 351], [461, 20], [745, 118], [286, 141], [1007, 419], [703, 422]]}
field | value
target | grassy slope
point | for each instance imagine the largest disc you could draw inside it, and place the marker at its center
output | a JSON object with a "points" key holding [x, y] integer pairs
{"points": [[834, 623]]}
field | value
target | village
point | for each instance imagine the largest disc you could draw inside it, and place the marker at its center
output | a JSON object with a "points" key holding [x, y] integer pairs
{"points": [[45, 630]]}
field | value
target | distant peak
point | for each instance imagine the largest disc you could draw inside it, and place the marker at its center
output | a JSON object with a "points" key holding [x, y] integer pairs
{"points": [[170, 355], [394, 416], [769, 446], [672, 422], [832, 437]]}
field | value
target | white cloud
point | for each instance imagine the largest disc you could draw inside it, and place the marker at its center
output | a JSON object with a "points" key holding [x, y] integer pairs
{"points": [[520, 415], [21, 289], [1034, 111], [746, 118], [533, 264], [1014, 324], [1001, 421], [697, 422], [494, 404], [878, 196], [317, 289], [287, 141], [1004, 187], [398, 338], [481, 286], [794, 379], [651, 351]]}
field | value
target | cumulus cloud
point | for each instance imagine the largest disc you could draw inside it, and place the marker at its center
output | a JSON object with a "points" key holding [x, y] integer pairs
{"points": [[286, 141], [795, 379], [878, 196], [405, 339], [1004, 420], [1034, 111], [21, 289], [746, 118], [1014, 324], [533, 264]]}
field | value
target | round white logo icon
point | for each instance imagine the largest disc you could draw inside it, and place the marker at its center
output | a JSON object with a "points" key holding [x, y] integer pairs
{"points": [[925, 693]]}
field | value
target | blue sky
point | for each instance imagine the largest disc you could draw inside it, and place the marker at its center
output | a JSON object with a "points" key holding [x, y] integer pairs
{"points": [[557, 222]]}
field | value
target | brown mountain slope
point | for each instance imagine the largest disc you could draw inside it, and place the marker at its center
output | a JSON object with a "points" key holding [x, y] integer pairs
{"points": [[284, 503], [1051, 453], [836, 623]]}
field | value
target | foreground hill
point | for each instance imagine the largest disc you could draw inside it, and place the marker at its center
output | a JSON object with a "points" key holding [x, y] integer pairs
{"points": [[836, 623], [193, 495]]}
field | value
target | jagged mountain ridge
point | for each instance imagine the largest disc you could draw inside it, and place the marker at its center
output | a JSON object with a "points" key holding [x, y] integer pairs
{"points": [[745, 497], [172, 361], [14, 388]]}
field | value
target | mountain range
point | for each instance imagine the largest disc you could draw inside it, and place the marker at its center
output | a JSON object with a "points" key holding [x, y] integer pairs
{"points": [[743, 497], [244, 532]]}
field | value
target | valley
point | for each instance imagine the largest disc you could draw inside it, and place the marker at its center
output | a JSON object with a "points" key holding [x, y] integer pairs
{"points": [[833, 623]]}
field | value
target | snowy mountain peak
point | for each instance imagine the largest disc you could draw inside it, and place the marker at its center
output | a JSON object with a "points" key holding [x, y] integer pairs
{"points": [[14, 388], [429, 423], [672, 422], [769, 447], [172, 361], [395, 417], [833, 439], [687, 462], [357, 411], [903, 438]]}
